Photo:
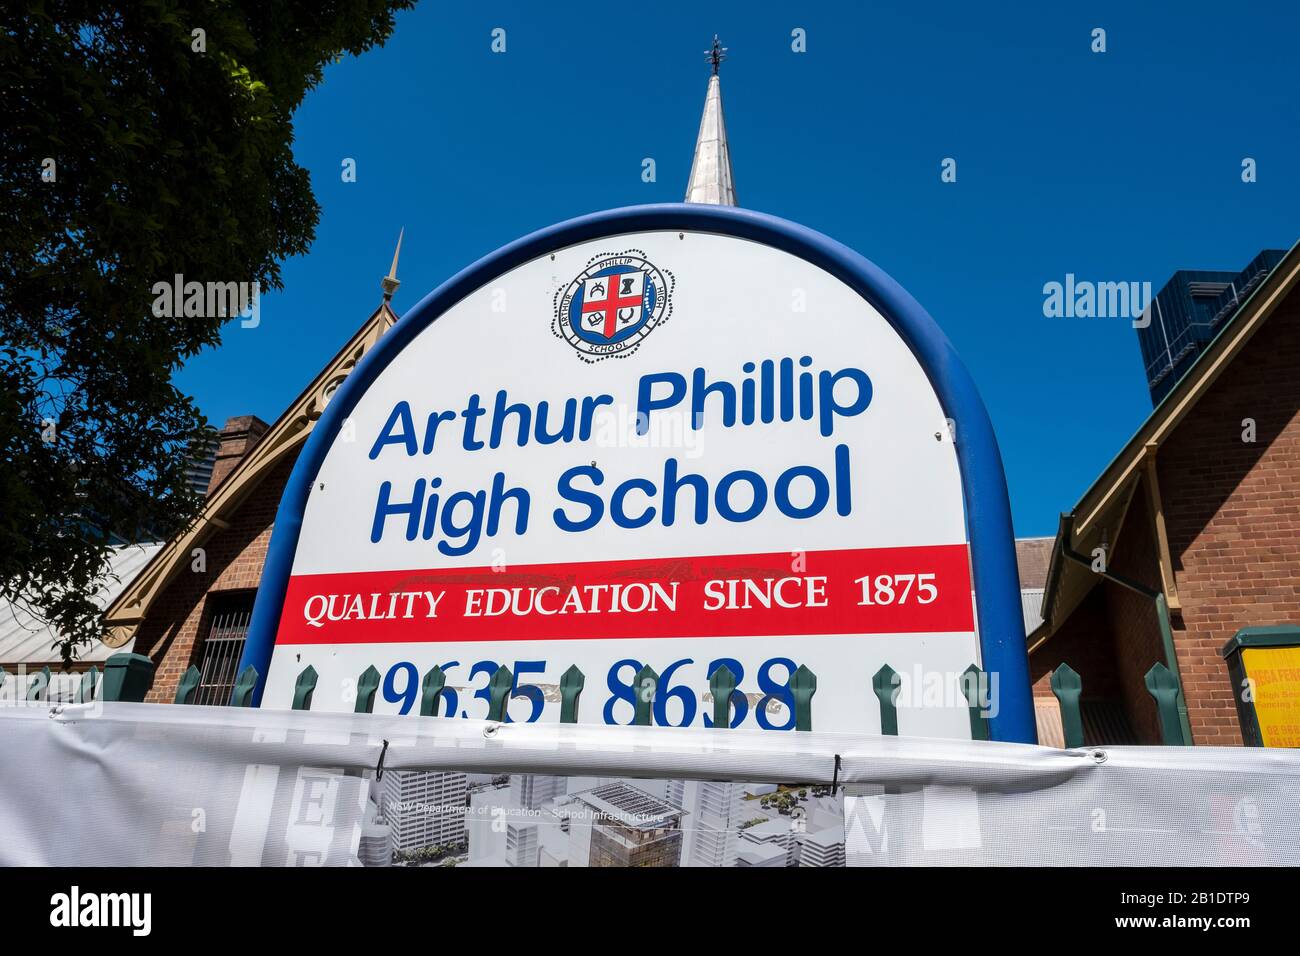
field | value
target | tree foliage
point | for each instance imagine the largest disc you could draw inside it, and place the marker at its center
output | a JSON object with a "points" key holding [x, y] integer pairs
{"points": [[171, 154]]}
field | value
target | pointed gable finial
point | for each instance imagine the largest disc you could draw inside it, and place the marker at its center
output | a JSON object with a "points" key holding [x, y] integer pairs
{"points": [[711, 180], [716, 54], [389, 282]]}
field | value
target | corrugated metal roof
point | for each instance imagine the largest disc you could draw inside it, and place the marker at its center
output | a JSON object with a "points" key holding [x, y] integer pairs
{"points": [[1031, 606], [26, 640]]}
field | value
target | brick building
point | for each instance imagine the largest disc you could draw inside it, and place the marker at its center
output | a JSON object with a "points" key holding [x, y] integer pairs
{"points": [[1190, 534], [191, 603], [1196, 518]]}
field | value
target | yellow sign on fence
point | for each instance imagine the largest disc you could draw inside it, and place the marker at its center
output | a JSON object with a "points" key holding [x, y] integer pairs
{"points": [[1274, 675]]}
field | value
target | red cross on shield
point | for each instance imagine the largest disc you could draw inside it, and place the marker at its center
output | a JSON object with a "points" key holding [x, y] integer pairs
{"points": [[611, 303]]}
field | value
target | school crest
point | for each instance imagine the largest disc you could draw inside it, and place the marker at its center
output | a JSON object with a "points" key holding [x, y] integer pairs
{"points": [[612, 305]]}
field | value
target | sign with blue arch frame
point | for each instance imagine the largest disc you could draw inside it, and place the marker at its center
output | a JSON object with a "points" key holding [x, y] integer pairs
{"points": [[673, 436]]}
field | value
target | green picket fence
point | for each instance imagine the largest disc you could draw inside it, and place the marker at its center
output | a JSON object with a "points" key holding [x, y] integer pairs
{"points": [[802, 685], [1067, 686], [127, 677]]}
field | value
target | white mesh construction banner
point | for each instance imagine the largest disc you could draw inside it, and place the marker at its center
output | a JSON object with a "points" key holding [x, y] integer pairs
{"points": [[145, 784]]}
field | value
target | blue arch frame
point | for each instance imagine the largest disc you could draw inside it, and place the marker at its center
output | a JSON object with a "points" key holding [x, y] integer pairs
{"points": [[988, 510]]}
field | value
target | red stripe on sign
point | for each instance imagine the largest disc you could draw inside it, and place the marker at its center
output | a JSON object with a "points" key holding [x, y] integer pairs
{"points": [[867, 591]]}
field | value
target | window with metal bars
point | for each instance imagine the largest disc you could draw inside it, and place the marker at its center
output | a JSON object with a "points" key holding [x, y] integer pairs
{"points": [[229, 616]]}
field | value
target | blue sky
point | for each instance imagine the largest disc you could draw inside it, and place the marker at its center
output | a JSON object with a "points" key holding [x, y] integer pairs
{"points": [[1119, 166]]}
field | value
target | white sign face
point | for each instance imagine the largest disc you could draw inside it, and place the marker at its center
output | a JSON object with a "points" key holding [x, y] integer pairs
{"points": [[662, 448]]}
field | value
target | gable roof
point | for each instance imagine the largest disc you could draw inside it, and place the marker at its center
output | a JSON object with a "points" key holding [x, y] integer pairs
{"points": [[1101, 511], [283, 438]]}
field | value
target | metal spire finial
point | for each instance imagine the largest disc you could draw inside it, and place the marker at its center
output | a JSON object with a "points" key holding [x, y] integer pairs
{"points": [[389, 282], [716, 54], [711, 180]]}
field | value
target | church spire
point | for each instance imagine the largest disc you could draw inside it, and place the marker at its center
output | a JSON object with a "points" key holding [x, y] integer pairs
{"points": [[711, 180]]}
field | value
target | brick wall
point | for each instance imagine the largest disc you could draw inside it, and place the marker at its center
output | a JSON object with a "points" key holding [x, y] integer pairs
{"points": [[234, 441], [234, 557], [1233, 513]]}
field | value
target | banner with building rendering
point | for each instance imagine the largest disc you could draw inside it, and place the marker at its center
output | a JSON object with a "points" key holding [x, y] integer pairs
{"points": [[134, 784]]}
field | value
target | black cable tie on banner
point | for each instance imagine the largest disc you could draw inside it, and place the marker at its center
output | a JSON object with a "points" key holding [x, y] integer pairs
{"points": [[835, 780], [379, 767]]}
